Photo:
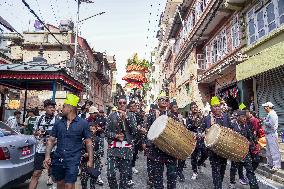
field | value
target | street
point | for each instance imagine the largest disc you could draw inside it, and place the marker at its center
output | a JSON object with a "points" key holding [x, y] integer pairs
{"points": [[185, 75], [204, 180]]}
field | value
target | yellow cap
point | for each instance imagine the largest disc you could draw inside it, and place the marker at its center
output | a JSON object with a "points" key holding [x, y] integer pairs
{"points": [[215, 101], [242, 106], [72, 100], [162, 94]]}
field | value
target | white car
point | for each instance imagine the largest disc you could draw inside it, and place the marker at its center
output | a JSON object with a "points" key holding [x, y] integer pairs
{"points": [[16, 156]]}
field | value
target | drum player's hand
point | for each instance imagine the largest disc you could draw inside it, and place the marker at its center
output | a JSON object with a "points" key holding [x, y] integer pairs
{"points": [[143, 131]]}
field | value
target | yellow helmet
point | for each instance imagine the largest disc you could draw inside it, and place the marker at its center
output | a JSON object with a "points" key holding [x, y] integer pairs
{"points": [[72, 100], [215, 101]]}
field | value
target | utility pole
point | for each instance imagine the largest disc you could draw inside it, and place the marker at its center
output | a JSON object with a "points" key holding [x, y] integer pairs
{"points": [[76, 37], [77, 31]]}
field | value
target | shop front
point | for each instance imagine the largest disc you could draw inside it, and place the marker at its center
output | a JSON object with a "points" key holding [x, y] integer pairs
{"points": [[265, 70]]}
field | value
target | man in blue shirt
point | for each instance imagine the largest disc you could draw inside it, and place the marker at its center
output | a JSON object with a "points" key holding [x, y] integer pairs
{"points": [[68, 133]]}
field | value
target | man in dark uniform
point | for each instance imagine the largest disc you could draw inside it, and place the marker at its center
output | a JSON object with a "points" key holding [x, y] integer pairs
{"points": [[121, 129], [241, 127], [194, 123], [156, 159], [218, 163], [176, 116], [133, 108]]}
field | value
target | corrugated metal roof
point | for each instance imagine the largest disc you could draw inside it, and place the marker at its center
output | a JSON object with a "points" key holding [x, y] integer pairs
{"points": [[30, 66]]}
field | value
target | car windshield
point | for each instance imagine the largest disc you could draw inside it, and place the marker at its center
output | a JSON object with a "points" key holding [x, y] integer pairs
{"points": [[5, 130]]}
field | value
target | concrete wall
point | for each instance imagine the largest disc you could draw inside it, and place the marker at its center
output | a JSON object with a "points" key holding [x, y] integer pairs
{"points": [[53, 56]]}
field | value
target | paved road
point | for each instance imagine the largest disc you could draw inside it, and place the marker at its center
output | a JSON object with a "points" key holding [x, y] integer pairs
{"points": [[203, 182]]}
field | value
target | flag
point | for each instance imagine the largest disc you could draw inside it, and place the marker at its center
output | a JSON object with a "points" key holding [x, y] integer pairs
{"points": [[38, 26]]}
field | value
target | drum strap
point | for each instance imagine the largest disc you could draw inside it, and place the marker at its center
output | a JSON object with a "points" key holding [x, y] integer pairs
{"points": [[213, 122]]}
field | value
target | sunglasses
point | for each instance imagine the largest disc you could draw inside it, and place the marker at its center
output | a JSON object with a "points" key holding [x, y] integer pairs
{"points": [[122, 102], [164, 99]]}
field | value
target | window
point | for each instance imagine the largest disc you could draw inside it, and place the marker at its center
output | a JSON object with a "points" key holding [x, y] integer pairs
{"points": [[177, 46], [251, 27], [270, 17], [193, 19], [208, 55], [214, 51], [260, 23], [189, 24], [264, 19], [198, 9], [235, 33], [219, 47], [223, 42], [281, 11], [201, 62]]}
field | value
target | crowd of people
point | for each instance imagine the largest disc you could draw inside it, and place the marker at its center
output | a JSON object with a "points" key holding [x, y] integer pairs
{"points": [[71, 143]]}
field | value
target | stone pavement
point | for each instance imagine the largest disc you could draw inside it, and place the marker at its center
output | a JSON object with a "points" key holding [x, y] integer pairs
{"points": [[204, 180]]}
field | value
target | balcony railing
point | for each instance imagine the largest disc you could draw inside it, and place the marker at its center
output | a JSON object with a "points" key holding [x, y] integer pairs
{"points": [[102, 73], [201, 62]]}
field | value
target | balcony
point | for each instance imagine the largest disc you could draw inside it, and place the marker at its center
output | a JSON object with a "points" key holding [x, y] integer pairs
{"points": [[100, 68], [103, 73], [200, 25]]}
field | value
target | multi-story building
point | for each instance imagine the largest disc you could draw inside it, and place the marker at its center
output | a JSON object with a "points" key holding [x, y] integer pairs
{"points": [[232, 49], [104, 70], [160, 71], [260, 76], [94, 70]]}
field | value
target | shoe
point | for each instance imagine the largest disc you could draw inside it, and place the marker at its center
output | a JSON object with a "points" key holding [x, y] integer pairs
{"points": [[200, 168], [232, 186], [135, 171], [181, 177], [194, 176], [49, 181], [100, 181], [130, 183], [275, 169], [243, 181]]}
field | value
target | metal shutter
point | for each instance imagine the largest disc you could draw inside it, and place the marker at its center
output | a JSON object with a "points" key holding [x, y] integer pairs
{"points": [[270, 87]]}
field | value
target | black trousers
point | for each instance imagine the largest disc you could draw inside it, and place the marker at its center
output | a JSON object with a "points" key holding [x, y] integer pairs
{"points": [[135, 153], [218, 165], [117, 164], [180, 167], [198, 158], [247, 164], [156, 170]]}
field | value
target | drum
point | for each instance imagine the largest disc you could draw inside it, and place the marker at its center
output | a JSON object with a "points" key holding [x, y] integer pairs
{"points": [[172, 137], [226, 143]]}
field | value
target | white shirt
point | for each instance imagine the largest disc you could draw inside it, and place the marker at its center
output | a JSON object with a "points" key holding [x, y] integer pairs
{"points": [[12, 122], [271, 123], [43, 125]]}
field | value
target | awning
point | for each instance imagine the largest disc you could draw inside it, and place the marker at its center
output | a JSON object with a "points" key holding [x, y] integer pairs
{"points": [[267, 59]]}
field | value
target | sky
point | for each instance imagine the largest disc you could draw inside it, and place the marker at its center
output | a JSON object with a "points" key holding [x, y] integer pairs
{"points": [[128, 26]]}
